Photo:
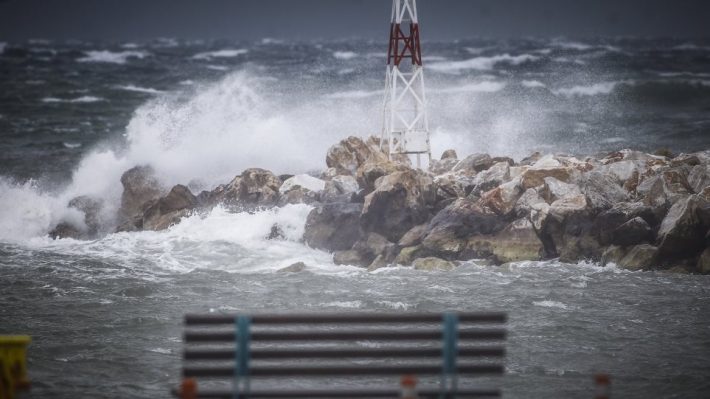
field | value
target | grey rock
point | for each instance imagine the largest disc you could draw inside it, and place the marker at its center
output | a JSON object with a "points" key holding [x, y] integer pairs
{"points": [[401, 201], [640, 257], [433, 264], [333, 226], [682, 232], [635, 231], [294, 268]]}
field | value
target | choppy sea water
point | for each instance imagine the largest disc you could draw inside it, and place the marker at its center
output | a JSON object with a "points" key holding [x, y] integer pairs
{"points": [[105, 314]]}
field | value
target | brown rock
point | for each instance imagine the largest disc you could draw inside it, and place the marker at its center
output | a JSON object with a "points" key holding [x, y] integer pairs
{"points": [[140, 186], [474, 163], [348, 155], [168, 210], [534, 177], [413, 236], [449, 154]]}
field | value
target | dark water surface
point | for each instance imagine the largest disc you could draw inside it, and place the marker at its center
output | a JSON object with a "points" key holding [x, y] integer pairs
{"points": [[105, 315]]}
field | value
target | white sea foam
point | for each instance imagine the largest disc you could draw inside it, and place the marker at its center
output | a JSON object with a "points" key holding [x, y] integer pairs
{"points": [[112, 57], [82, 99], [354, 94], [139, 89], [217, 67], [71, 146], [130, 45], [478, 87], [590, 90], [344, 55], [532, 84], [225, 53], [572, 45], [550, 304], [690, 47], [481, 63]]}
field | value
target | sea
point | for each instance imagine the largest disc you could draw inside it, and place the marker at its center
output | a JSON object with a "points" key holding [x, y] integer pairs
{"points": [[105, 315]]}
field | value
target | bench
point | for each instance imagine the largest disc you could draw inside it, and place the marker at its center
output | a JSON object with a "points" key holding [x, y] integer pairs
{"points": [[355, 355]]}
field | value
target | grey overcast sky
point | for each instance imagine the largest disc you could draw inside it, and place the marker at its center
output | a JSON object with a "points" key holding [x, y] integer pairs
{"points": [[307, 19]]}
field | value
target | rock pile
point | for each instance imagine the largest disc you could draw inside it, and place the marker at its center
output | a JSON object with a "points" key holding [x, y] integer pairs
{"points": [[637, 210]]}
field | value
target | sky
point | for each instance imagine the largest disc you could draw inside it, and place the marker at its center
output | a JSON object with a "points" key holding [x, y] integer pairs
{"points": [[337, 19]]}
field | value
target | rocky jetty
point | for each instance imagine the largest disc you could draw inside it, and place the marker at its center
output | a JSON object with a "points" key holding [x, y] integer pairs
{"points": [[633, 209]]}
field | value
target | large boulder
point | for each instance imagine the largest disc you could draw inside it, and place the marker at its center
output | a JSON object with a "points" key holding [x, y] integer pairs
{"points": [[665, 188], [140, 186], [683, 231], [168, 210], [608, 221], [333, 226], [492, 177], [369, 172], [92, 209], [254, 188], [66, 230], [474, 163], [300, 189], [635, 231], [704, 262], [601, 191], [535, 176], [699, 177], [503, 199], [431, 264], [640, 257], [553, 190], [348, 155], [400, 201], [516, 242], [448, 232], [373, 245]]}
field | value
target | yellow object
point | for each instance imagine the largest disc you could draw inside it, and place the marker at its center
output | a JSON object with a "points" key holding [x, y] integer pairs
{"points": [[13, 365]]}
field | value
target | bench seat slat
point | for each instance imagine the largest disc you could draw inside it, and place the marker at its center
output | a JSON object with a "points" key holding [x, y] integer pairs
{"points": [[336, 353], [229, 336], [341, 370], [328, 318], [352, 393]]}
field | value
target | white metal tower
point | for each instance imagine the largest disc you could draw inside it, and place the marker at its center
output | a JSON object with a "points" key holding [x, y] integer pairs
{"points": [[405, 124]]}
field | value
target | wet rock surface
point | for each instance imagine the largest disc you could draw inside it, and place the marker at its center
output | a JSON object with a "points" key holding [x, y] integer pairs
{"points": [[637, 210]]}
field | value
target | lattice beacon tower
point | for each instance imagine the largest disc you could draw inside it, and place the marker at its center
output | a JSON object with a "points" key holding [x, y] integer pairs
{"points": [[405, 123]]}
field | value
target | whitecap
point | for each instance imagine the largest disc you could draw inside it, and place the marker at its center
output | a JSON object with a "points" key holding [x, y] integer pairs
{"points": [[479, 87], [139, 89], [82, 99], [613, 140], [71, 145], [396, 305], [550, 304], [344, 55], [226, 53], [354, 94], [130, 45], [532, 84], [690, 47], [344, 304], [590, 90], [572, 45], [270, 40], [482, 63], [112, 57], [217, 67]]}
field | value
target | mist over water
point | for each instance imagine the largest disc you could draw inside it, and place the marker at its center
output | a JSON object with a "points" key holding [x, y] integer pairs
{"points": [[75, 116]]}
